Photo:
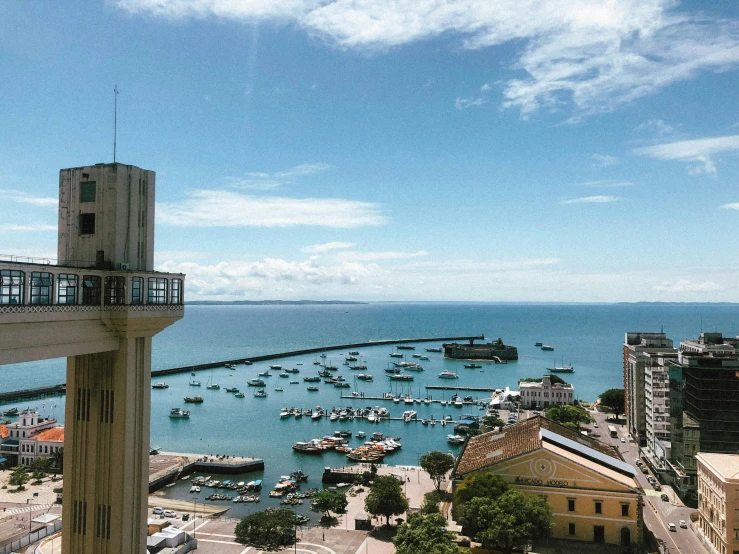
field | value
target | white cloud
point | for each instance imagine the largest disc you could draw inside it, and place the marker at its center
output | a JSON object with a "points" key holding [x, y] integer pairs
{"points": [[464, 103], [234, 279], [23, 198], [733, 206], [32, 228], [601, 160], [656, 126], [697, 153], [685, 286], [326, 247], [594, 55], [608, 184], [600, 199], [487, 267], [210, 208], [258, 180], [485, 88]]}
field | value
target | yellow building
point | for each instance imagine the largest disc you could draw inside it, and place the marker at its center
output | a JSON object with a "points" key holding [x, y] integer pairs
{"points": [[718, 500], [593, 493]]}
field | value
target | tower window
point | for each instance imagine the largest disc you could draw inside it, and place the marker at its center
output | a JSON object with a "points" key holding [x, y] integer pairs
{"points": [[11, 286], [87, 192], [137, 290], [90, 290], [87, 224], [66, 292]]}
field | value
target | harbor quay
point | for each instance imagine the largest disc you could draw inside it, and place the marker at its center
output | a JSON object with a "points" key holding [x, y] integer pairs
{"points": [[167, 467]]}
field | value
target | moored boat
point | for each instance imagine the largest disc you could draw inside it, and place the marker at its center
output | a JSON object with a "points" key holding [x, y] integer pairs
{"points": [[159, 385], [177, 413], [194, 399], [448, 375]]}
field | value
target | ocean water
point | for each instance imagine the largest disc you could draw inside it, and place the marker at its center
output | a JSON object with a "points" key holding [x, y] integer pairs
{"points": [[589, 337]]}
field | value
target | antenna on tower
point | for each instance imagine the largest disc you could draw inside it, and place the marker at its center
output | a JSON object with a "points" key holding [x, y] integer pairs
{"points": [[115, 119]]}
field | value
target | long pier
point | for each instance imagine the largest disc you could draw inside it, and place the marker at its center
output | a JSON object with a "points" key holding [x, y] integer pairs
{"points": [[53, 390], [478, 389], [290, 354]]}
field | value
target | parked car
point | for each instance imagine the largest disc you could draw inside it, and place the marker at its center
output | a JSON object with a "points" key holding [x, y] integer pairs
{"points": [[185, 517], [169, 513], [664, 497], [623, 439], [657, 486], [157, 511], [683, 524], [644, 470], [595, 424]]}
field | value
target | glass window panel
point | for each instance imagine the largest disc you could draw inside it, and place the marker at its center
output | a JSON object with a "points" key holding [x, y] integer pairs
{"points": [[66, 288], [87, 191], [90, 290], [11, 286]]}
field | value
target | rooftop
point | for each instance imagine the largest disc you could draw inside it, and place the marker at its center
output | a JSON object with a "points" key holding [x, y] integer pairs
{"points": [[55, 434], [3, 431], [724, 465], [490, 448]]}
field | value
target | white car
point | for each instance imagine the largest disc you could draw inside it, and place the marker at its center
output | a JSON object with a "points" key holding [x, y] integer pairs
{"points": [[595, 424], [169, 513], [157, 511], [671, 527], [683, 524], [623, 439]]}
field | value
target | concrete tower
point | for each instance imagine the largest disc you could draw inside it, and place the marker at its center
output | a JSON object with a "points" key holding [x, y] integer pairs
{"points": [[99, 306]]}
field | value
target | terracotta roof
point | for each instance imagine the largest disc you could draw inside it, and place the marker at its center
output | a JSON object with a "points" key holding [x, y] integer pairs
{"points": [[3, 431], [486, 450], [55, 434]]}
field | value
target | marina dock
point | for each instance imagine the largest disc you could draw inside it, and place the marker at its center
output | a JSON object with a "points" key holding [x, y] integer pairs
{"points": [[167, 467]]}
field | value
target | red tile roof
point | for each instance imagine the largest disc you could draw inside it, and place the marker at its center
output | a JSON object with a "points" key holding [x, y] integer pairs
{"points": [[486, 450], [55, 434], [3, 431]]}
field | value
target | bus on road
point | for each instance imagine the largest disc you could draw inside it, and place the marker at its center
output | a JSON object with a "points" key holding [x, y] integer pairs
{"points": [[612, 431]]}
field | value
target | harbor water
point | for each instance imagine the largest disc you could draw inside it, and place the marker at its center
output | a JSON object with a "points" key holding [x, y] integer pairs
{"points": [[589, 337]]}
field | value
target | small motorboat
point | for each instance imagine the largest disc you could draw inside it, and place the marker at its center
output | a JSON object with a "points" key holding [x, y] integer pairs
{"points": [[159, 385]]}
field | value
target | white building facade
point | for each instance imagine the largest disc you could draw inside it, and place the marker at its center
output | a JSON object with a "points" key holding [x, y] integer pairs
{"points": [[544, 393]]}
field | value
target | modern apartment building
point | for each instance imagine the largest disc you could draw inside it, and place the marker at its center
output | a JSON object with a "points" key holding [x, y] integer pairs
{"points": [[657, 403], [636, 347], [718, 501]]}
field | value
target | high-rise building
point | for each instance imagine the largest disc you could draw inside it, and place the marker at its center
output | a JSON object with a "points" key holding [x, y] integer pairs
{"points": [[636, 347], [98, 306], [657, 403]]}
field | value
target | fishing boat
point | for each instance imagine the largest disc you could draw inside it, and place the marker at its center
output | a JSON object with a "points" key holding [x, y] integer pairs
{"points": [[409, 415], [284, 413], [194, 399], [195, 488], [256, 383], [472, 366], [231, 389], [293, 370], [401, 377], [396, 355], [312, 379], [455, 439], [248, 362], [194, 383], [405, 347], [424, 358], [211, 385], [260, 393], [285, 375], [360, 434], [275, 367], [279, 389], [409, 366], [265, 373], [239, 395], [364, 377], [365, 454], [177, 413], [539, 344], [159, 385], [561, 369], [354, 352], [434, 350], [448, 375], [313, 388], [547, 347]]}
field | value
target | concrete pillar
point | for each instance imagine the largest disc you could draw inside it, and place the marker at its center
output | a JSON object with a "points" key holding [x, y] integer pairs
{"points": [[106, 450]]}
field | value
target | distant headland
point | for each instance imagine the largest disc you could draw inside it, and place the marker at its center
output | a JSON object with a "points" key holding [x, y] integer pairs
{"points": [[269, 302]]}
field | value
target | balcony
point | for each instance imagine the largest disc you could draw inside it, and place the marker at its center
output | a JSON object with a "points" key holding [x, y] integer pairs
{"points": [[50, 310]]}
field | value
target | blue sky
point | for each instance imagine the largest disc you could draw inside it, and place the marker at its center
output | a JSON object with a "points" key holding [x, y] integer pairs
{"points": [[392, 150]]}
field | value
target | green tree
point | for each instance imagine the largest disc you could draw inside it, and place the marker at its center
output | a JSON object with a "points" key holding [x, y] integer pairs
{"points": [[40, 467], [386, 498], [507, 522], [267, 530], [19, 476], [492, 421], [437, 465], [569, 416], [326, 501], [58, 457], [431, 502], [484, 485], [613, 400], [424, 534]]}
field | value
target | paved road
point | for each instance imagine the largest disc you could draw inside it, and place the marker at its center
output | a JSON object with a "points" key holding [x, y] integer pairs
{"points": [[657, 513], [14, 520]]}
